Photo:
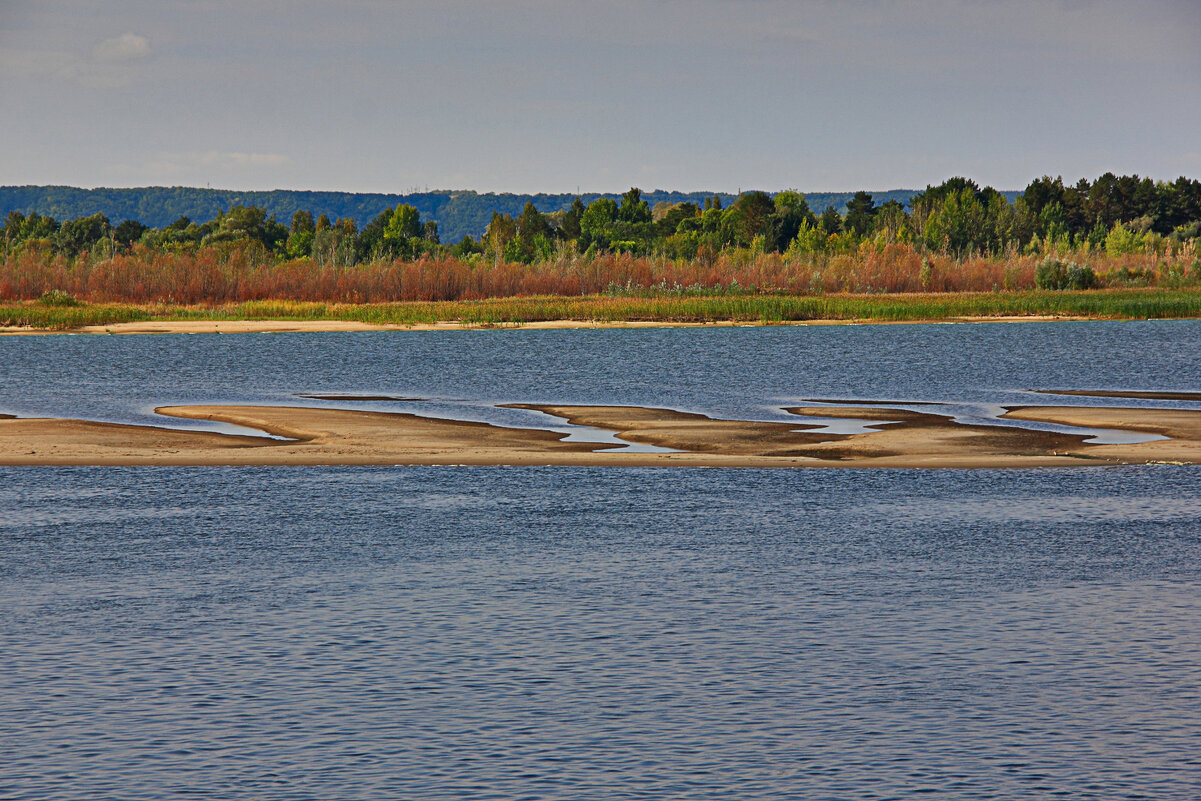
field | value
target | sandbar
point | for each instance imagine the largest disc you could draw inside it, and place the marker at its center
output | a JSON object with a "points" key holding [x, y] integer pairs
{"points": [[895, 439], [356, 398]]}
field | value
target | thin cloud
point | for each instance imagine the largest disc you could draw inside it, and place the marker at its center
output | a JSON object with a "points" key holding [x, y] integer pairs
{"points": [[123, 48], [110, 65]]}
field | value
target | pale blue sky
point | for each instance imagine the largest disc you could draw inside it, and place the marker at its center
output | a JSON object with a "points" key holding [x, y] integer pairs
{"points": [[551, 95]]}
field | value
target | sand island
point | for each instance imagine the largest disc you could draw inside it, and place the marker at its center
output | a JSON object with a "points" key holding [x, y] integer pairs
{"points": [[892, 438]]}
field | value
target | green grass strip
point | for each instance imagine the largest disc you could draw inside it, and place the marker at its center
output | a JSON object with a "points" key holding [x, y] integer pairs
{"points": [[62, 318], [1096, 304]]}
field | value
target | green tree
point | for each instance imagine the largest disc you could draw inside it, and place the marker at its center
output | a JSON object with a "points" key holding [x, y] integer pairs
{"points": [[570, 226], [369, 243], [791, 200], [861, 210], [405, 223], [792, 209], [633, 208], [466, 247], [1121, 240], [753, 214], [930, 200], [336, 243], [957, 224], [302, 222], [248, 223], [300, 240], [80, 235], [597, 223], [128, 232], [809, 239], [532, 223], [19, 228], [671, 218], [533, 236], [325, 244], [183, 234], [831, 220], [1042, 192], [500, 232], [892, 222], [391, 234], [429, 232]]}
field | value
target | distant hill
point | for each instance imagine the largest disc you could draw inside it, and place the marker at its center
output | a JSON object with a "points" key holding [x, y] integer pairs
{"points": [[458, 213]]}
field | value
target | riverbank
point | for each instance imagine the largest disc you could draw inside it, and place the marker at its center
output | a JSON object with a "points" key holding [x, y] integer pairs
{"points": [[896, 439], [602, 310]]}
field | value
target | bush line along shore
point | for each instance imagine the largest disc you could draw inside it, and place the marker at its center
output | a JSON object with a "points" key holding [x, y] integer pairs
{"points": [[57, 312]]}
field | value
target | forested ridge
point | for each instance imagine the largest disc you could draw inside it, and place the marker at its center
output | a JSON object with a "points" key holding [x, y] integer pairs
{"points": [[1114, 231]]}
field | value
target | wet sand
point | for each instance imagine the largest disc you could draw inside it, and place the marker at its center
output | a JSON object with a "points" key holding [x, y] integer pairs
{"points": [[690, 432], [1110, 393], [357, 398], [898, 438], [314, 436], [1182, 427]]}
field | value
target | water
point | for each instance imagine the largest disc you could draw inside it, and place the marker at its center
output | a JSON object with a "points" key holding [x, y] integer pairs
{"points": [[503, 633], [735, 372]]}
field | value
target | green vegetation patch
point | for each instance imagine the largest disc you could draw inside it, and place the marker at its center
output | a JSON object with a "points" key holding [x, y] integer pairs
{"points": [[1096, 304], [57, 297], [54, 317], [763, 308]]}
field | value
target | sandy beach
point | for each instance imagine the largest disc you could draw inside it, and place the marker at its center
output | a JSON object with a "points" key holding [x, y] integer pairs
{"points": [[896, 439], [313, 326]]}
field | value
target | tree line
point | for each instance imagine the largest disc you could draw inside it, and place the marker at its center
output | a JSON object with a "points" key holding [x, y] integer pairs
{"points": [[1114, 214], [458, 212]]}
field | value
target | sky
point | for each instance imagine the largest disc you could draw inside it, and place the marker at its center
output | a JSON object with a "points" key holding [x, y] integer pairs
{"points": [[596, 95]]}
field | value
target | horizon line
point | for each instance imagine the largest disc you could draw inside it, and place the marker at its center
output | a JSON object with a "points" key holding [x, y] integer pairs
{"points": [[443, 190]]}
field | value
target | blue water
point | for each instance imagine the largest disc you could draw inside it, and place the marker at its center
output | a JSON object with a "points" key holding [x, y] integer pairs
{"points": [[504, 633], [736, 372]]}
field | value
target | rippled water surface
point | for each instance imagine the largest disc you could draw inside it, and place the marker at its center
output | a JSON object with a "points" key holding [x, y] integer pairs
{"points": [[749, 372], [569, 633]]}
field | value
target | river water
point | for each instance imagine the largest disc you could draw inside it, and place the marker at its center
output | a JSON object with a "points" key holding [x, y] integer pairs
{"points": [[504, 633]]}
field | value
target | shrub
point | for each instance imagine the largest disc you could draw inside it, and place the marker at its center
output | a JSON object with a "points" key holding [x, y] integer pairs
{"points": [[1129, 276], [57, 297], [926, 275], [1053, 273], [1050, 274], [1081, 277]]}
